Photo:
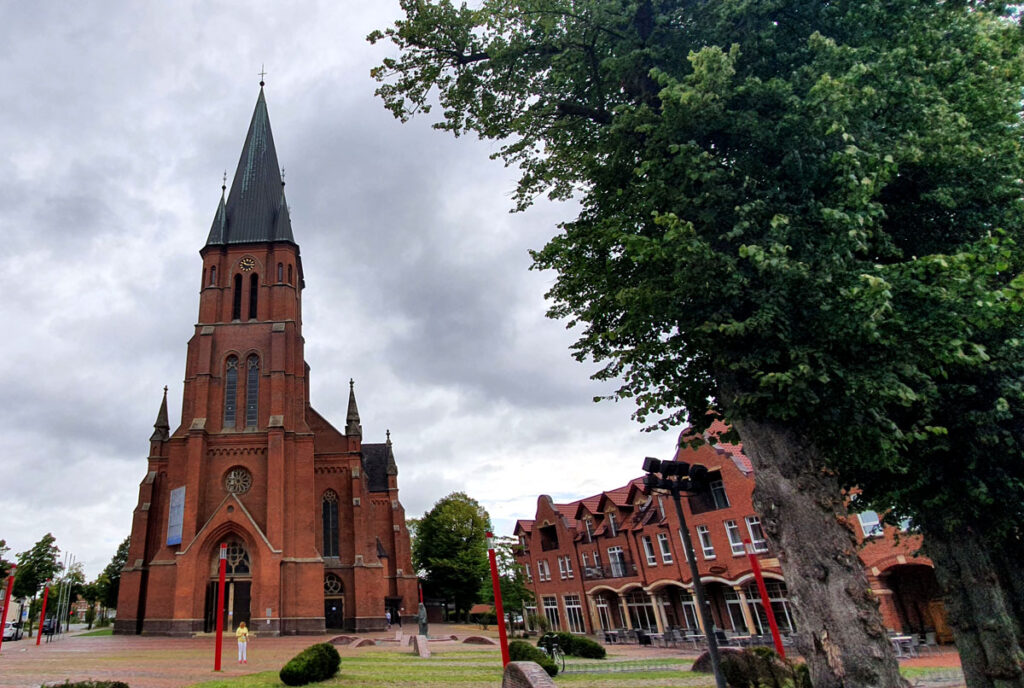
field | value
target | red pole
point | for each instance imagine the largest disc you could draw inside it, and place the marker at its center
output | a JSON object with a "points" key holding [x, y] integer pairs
{"points": [[42, 615], [498, 607], [765, 602], [220, 605], [7, 600]]}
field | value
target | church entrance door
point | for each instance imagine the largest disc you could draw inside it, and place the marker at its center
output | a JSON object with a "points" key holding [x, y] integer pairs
{"points": [[334, 602], [237, 589]]}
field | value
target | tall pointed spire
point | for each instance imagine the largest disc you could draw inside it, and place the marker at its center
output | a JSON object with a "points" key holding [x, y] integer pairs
{"points": [[162, 429], [352, 426], [256, 210]]}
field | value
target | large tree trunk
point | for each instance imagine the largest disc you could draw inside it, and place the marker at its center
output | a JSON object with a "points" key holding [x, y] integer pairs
{"points": [[841, 634], [977, 610], [1008, 558]]}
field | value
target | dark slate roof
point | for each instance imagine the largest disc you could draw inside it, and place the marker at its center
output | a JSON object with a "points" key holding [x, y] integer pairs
{"points": [[255, 211], [376, 458]]}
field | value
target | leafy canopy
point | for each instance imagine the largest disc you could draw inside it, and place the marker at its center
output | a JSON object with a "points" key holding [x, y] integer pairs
{"points": [[801, 212], [451, 548]]}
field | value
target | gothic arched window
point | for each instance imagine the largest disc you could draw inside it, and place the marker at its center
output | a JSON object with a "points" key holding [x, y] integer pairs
{"points": [[289, 274], [252, 390], [230, 391], [213, 275], [280, 272], [236, 304], [254, 290], [330, 514], [237, 563]]}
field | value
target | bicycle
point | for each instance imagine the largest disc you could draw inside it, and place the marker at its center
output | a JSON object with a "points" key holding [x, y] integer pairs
{"points": [[549, 644]]}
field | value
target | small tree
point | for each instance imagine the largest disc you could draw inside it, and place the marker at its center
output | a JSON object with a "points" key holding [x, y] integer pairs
{"points": [[516, 595], [35, 566], [451, 547]]}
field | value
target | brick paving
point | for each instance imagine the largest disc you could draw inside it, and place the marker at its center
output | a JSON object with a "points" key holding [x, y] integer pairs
{"points": [[156, 662]]}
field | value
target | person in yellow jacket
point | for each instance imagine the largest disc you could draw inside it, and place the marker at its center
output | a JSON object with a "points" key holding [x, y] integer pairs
{"points": [[242, 635]]}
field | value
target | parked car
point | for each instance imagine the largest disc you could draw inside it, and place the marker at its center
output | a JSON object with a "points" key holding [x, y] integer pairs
{"points": [[50, 626], [12, 630]]}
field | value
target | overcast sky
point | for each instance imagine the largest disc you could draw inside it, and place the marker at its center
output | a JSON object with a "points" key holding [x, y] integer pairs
{"points": [[117, 120]]}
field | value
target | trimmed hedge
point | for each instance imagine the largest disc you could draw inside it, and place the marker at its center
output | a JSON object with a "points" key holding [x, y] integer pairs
{"points": [[580, 646], [522, 651], [316, 663]]}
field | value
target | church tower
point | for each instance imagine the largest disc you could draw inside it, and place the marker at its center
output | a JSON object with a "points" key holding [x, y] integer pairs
{"points": [[315, 535]]}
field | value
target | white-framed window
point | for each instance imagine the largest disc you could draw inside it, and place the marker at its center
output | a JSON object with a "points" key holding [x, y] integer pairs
{"points": [[597, 559], [568, 566], [612, 530], [586, 560], [543, 570], [529, 573], [757, 539], [732, 529], [589, 523], [704, 535], [561, 567], [682, 545], [649, 550], [870, 524], [524, 543], [574, 613], [666, 549], [551, 612], [661, 507], [530, 608], [718, 495], [617, 562]]}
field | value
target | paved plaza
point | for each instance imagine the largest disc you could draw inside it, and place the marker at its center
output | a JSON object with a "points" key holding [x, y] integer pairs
{"points": [[157, 662]]}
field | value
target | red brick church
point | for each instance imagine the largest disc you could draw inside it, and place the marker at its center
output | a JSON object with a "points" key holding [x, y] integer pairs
{"points": [[315, 534]]}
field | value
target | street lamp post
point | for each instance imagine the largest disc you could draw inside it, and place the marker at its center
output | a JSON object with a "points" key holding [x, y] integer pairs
{"points": [[675, 478]]}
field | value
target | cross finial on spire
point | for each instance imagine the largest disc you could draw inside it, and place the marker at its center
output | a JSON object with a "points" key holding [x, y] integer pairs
{"points": [[224, 182], [263, 73]]}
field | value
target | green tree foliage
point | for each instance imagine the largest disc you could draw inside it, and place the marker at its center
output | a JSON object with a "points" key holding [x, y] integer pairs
{"points": [[36, 566], [451, 548], [516, 594], [5, 565], [808, 213], [108, 583]]}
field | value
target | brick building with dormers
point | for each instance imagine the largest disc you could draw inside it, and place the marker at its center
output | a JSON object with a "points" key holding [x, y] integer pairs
{"points": [[615, 560], [316, 536]]}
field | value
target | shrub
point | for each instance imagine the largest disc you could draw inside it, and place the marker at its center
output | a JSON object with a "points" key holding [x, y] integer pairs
{"points": [[316, 663], [522, 651], [578, 646], [760, 667]]}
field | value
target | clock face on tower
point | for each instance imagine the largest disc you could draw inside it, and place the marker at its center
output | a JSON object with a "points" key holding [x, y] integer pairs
{"points": [[246, 264]]}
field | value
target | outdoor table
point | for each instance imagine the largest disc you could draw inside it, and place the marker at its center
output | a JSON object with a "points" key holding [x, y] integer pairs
{"points": [[903, 645]]}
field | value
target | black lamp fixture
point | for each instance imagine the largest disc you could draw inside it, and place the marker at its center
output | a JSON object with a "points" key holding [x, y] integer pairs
{"points": [[677, 478]]}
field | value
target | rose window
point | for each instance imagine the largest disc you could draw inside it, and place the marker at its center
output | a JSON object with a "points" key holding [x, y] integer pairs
{"points": [[238, 481]]}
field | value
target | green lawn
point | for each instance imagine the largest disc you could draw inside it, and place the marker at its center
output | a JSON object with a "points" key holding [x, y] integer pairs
{"points": [[481, 669], [101, 631]]}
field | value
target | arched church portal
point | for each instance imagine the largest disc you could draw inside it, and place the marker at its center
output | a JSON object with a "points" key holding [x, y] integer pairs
{"points": [[237, 587], [334, 601]]}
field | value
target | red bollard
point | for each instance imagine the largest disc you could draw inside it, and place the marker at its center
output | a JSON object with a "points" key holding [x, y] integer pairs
{"points": [[42, 614], [7, 601], [220, 606]]}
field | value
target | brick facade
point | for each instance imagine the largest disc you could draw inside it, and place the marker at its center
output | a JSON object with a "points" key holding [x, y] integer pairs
{"points": [[259, 468], [619, 555]]}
